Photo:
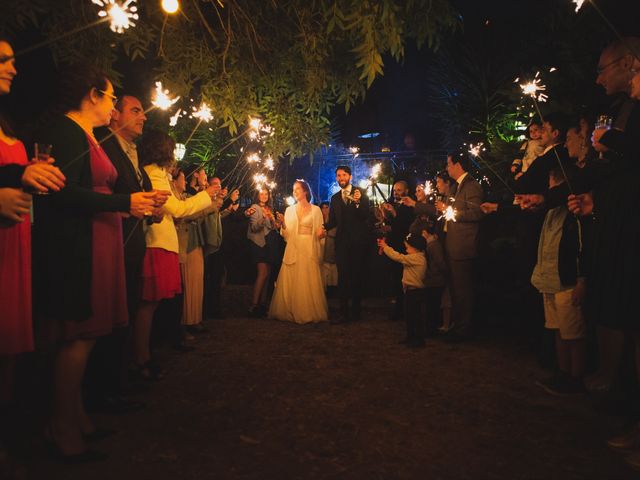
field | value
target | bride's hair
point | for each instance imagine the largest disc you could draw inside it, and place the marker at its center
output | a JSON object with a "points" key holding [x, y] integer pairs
{"points": [[307, 189]]}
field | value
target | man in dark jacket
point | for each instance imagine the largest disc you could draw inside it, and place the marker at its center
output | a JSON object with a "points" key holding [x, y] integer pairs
{"points": [[107, 364]]}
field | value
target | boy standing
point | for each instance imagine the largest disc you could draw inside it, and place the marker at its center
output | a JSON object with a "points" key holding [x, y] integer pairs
{"points": [[413, 273]]}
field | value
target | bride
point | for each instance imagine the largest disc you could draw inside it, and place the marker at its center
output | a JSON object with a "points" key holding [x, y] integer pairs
{"points": [[299, 293]]}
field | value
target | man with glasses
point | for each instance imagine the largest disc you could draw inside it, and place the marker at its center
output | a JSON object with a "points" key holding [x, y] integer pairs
{"points": [[615, 257]]}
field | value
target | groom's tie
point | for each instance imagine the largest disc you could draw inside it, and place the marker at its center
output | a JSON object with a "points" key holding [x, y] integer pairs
{"points": [[345, 196]]}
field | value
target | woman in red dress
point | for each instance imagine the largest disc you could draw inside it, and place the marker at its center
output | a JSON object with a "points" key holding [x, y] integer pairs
{"points": [[79, 270]]}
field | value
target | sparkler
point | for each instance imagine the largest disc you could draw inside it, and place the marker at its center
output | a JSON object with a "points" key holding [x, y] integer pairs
{"points": [[268, 164], [253, 158], [475, 151], [203, 114], [162, 99], [290, 201], [121, 15], [578, 4], [533, 88], [449, 214], [173, 121]]}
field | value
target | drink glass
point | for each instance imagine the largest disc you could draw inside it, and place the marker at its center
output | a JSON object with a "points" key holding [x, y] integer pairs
{"points": [[42, 152]]}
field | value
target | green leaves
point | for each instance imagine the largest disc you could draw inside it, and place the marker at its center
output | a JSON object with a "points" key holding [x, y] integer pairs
{"points": [[290, 61]]}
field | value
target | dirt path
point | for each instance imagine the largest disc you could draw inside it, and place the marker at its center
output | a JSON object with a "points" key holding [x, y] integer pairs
{"points": [[269, 400]]}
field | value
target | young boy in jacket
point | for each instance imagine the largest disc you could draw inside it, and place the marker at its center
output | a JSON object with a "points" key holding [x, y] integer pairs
{"points": [[557, 276], [414, 268]]}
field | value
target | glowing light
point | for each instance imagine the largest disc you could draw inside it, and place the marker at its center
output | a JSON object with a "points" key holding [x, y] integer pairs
{"points": [[364, 184], [375, 171], [552, 69], [290, 201], [272, 185], [179, 151], [253, 135], [533, 88], [268, 163], [173, 121], [162, 99], [121, 15], [203, 113], [255, 123], [449, 214], [354, 149], [428, 188], [254, 158], [170, 6], [476, 149], [578, 4]]}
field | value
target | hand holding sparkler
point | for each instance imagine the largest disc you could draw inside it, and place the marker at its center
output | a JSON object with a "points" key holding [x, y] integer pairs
{"points": [[280, 220], [488, 207], [142, 204], [357, 195], [408, 201], [390, 209], [531, 201], [581, 205]]}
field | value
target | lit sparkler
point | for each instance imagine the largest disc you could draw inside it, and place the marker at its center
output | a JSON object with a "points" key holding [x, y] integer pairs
{"points": [[354, 150], [578, 4], [476, 149], [255, 123], [254, 158], [121, 15], [291, 201], [260, 179], [449, 214], [173, 121], [533, 88], [162, 99], [268, 163], [203, 114], [375, 171]]}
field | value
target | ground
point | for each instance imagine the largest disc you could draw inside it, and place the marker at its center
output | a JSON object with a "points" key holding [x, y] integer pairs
{"points": [[262, 399]]}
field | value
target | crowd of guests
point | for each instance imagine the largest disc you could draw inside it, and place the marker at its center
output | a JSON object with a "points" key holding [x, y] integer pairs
{"points": [[105, 228]]}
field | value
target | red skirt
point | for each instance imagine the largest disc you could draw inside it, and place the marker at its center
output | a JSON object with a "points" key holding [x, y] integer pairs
{"points": [[160, 275]]}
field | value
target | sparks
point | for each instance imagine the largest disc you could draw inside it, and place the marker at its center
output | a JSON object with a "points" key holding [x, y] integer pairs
{"points": [[203, 113], [162, 99], [255, 123], [253, 135], [291, 201], [268, 163], [578, 4], [375, 170], [532, 88], [476, 149], [449, 214], [254, 158], [173, 121], [354, 150], [428, 188], [121, 16]]}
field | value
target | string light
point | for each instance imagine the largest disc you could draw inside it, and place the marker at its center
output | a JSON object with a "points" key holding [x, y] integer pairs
{"points": [[121, 16], [162, 99]]}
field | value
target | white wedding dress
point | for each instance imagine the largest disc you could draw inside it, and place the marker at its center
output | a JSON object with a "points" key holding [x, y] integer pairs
{"points": [[299, 294]]}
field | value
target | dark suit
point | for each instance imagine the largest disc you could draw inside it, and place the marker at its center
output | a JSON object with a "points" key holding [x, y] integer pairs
{"points": [[395, 239], [352, 238], [461, 247]]}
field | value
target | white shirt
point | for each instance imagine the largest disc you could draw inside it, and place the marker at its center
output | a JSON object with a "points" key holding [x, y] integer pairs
{"points": [[461, 177]]}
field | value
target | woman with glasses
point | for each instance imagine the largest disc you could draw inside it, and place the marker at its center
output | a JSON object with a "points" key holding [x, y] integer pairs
{"points": [[79, 274]]}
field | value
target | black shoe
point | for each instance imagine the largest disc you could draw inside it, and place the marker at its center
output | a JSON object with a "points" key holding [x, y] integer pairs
{"points": [[114, 405], [254, 312], [264, 311], [98, 434]]}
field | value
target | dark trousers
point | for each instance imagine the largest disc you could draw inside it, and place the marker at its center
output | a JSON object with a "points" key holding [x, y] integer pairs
{"points": [[462, 295], [107, 364], [213, 275], [413, 313], [433, 300], [351, 262], [397, 290]]}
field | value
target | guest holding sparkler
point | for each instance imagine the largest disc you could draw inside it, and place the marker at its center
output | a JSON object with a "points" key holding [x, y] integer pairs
{"points": [[16, 174], [461, 228], [262, 234], [161, 269], [611, 291], [529, 151], [78, 246], [398, 218]]}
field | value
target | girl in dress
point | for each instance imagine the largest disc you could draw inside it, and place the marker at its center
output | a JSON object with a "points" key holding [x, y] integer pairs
{"points": [[299, 294]]}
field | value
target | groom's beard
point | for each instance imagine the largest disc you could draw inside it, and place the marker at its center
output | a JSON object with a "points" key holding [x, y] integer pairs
{"points": [[343, 184]]}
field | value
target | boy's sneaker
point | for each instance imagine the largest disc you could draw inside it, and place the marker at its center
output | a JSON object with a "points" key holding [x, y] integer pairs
{"points": [[562, 385]]}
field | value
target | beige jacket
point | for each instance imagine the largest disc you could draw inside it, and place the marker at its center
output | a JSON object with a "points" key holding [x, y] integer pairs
{"points": [[163, 234]]}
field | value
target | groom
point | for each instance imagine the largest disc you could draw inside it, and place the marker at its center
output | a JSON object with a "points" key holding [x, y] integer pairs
{"points": [[348, 214]]}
